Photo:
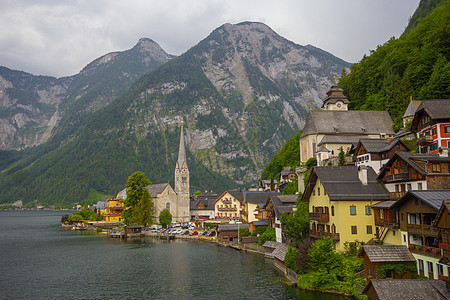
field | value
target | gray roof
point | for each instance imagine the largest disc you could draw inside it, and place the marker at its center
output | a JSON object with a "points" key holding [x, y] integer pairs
{"points": [[412, 107], [230, 227], [408, 289], [436, 109], [342, 183], [155, 189], [261, 223], [341, 139], [236, 194], [101, 204], [388, 253], [208, 203], [384, 204], [271, 244], [280, 251], [258, 197], [285, 199], [279, 207], [335, 94], [433, 198], [347, 122], [379, 145]]}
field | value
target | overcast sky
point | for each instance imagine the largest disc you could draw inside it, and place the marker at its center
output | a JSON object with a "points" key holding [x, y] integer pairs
{"points": [[59, 38]]}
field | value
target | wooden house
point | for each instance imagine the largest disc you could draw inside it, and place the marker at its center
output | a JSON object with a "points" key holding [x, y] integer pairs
{"points": [[230, 232], [375, 256], [432, 123], [415, 171], [442, 222], [386, 222], [417, 211], [376, 152]]}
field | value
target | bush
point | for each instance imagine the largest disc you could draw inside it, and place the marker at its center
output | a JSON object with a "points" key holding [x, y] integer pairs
{"points": [[244, 232], [290, 259], [268, 235]]}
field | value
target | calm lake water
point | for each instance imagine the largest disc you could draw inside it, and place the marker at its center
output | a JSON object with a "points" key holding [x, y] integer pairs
{"points": [[39, 260]]}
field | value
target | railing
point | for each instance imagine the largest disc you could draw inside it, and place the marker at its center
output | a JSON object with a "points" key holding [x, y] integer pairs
{"points": [[422, 229], [320, 234], [426, 250], [396, 195], [319, 217], [396, 177], [426, 139], [386, 223]]}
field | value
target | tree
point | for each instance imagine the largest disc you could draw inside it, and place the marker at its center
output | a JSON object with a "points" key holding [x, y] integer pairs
{"points": [[341, 156], [268, 235], [243, 232], [325, 262], [143, 212], [137, 192], [165, 218], [297, 222], [290, 259]]}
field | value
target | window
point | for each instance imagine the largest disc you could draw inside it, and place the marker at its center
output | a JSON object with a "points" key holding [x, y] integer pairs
{"points": [[381, 214], [168, 206], [423, 150], [369, 229], [408, 187], [397, 188], [433, 131], [403, 217], [354, 230], [440, 269], [420, 263], [318, 191], [368, 210], [403, 187], [353, 210], [436, 168], [404, 239], [447, 129], [419, 186], [430, 270], [332, 210], [314, 192]]}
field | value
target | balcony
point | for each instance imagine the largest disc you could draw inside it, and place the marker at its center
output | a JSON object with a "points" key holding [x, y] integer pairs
{"points": [[397, 177], [320, 234], [426, 250], [319, 217], [392, 224], [421, 229], [425, 140]]}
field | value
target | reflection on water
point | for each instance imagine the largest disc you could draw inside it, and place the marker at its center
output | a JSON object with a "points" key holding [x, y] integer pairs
{"points": [[38, 260]]}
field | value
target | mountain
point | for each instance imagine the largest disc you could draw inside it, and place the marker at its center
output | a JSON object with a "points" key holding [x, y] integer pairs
{"points": [[35, 108], [416, 65], [242, 91]]}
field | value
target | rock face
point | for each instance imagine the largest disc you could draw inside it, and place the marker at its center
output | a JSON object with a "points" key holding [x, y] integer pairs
{"points": [[31, 107]]}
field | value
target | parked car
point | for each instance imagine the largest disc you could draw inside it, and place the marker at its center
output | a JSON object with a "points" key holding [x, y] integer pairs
{"points": [[193, 233], [211, 233], [185, 232]]}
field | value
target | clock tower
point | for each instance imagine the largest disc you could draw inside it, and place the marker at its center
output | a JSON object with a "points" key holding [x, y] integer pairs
{"points": [[182, 182], [335, 99]]}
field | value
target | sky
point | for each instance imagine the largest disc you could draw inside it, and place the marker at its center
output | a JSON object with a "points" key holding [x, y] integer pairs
{"points": [[59, 38]]}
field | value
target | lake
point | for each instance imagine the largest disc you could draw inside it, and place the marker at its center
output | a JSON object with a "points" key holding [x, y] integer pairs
{"points": [[39, 260]]}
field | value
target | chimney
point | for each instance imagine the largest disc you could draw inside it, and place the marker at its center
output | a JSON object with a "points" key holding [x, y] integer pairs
{"points": [[362, 174], [443, 151]]}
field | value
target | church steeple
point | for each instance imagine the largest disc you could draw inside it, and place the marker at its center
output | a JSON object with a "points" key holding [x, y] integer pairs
{"points": [[336, 100], [181, 162]]}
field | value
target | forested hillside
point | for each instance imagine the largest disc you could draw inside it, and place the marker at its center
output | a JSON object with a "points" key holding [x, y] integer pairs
{"points": [[415, 65]]}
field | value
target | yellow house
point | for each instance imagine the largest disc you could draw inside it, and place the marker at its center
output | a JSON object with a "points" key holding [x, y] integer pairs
{"points": [[228, 206], [340, 200], [113, 210], [253, 202]]}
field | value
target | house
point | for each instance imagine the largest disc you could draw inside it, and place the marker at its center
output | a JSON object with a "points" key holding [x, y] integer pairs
{"points": [[335, 127], [432, 123], [101, 206], [442, 223], [340, 200], [405, 289], [376, 256], [252, 227], [275, 206], [377, 152], [228, 206], [253, 202], [269, 247], [230, 232], [387, 227], [286, 175], [202, 206], [267, 185], [278, 256], [417, 211], [415, 171], [113, 210]]}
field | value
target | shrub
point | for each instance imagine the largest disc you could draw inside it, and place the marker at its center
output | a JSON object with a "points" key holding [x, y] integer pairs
{"points": [[290, 259], [268, 235]]}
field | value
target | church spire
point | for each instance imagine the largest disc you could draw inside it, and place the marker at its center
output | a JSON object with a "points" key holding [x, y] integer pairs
{"points": [[181, 150]]}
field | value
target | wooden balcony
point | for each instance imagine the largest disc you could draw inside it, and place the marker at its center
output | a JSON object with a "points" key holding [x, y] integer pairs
{"points": [[421, 229], [396, 195], [319, 217], [426, 250], [425, 140], [396, 177], [386, 223], [320, 234]]}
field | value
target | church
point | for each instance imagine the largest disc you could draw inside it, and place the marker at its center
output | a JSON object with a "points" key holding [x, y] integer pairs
{"points": [[333, 127], [177, 200]]}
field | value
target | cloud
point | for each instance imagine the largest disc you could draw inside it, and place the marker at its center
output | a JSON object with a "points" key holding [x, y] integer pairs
{"points": [[59, 38]]}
